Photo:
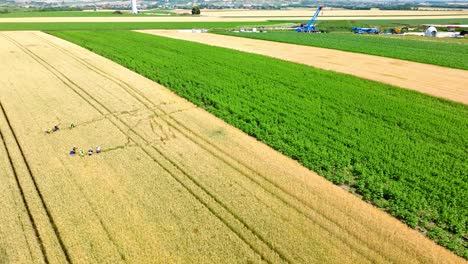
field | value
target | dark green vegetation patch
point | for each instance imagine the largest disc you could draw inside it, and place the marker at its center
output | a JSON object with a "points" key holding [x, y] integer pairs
{"points": [[439, 53], [404, 151]]}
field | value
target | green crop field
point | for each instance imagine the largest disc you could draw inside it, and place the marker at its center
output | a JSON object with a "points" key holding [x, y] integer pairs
{"points": [[439, 53], [402, 150], [125, 25]]}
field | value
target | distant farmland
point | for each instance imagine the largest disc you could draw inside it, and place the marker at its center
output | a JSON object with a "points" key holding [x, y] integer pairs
{"points": [[401, 150]]}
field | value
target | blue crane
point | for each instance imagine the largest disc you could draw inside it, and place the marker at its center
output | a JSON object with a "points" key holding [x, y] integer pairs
{"points": [[310, 27]]}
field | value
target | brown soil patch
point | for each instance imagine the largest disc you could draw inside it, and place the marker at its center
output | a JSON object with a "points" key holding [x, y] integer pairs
{"points": [[173, 183], [430, 79]]}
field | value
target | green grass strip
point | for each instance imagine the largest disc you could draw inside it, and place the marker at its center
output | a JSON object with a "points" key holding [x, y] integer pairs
{"points": [[49, 26], [404, 151], [438, 53]]}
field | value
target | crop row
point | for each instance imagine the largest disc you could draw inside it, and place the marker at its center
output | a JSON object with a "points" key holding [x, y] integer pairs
{"points": [[438, 53], [404, 151]]}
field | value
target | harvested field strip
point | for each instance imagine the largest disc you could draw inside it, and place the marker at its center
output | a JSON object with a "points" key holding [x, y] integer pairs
{"points": [[289, 198], [443, 54], [171, 59]]}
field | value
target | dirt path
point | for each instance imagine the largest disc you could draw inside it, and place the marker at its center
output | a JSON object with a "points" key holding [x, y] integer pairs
{"points": [[173, 183], [430, 79], [212, 18], [308, 12]]}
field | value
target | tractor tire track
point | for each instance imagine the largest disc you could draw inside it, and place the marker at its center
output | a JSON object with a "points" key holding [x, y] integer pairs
{"points": [[24, 200], [287, 197], [38, 192], [17, 205], [106, 111]]}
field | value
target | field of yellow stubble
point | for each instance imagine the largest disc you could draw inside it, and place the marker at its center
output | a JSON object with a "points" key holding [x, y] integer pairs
{"points": [[173, 183]]}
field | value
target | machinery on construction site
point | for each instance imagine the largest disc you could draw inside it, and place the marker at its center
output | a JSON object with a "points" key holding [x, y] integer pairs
{"points": [[431, 30], [310, 27], [398, 30], [360, 30]]}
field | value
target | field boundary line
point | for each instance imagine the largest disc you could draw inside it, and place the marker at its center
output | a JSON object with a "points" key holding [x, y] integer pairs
{"points": [[69, 83], [134, 92]]}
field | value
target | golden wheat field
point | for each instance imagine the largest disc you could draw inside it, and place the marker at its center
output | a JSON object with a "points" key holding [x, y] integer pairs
{"points": [[172, 184]]}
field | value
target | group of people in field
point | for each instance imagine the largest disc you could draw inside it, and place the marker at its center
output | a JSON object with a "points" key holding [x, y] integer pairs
{"points": [[56, 128], [74, 150], [52, 130], [81, 152]]}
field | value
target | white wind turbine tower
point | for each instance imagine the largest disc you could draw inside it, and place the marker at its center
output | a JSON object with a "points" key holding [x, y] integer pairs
{"points": [[134, 7]]}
